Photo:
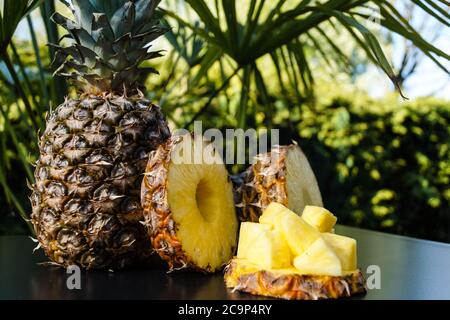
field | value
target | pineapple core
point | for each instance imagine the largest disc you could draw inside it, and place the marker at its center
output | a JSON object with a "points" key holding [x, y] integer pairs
{"points": [[298, 234], [201, 201], [320, 218], [264, 246]]}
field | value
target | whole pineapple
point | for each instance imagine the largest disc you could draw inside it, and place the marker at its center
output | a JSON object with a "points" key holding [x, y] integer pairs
{"points": [[86, 206]]}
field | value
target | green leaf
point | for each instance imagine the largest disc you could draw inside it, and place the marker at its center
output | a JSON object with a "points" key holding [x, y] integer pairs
{"points": [[335, 50], [229, 6], [212, 55], [83, 12], [398, 24], [297, 49], [370, 44], [199, 30], [263, 93], [243, 102], [108, 7], [123, 20], [11, 13], [434, 13], [101, 29], [144, 10], [251, 25], [211, 22]]}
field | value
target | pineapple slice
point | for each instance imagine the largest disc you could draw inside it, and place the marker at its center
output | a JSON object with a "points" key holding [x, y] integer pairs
{"points": [[319, 259], [188, 205], [263, 245], [298, 234], [320, 218], [345, 249]]}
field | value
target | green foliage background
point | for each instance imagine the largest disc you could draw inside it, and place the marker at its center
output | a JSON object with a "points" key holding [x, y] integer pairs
{"points": [[386, 171], [381, 164]]}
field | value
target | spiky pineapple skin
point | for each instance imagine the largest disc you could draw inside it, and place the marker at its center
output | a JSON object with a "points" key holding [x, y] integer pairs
{"points": [[293, 286], [85, 201], [262, 183]]}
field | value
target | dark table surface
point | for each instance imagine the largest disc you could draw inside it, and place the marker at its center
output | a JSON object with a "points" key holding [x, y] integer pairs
{"points": [[410, 269]]}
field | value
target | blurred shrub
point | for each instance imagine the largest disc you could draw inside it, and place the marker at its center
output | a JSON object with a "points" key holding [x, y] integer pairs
{"points": [[386, 171], [383, 168]]}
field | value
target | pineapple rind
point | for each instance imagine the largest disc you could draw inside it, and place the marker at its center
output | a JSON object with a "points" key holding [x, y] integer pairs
{"points": [[157, 214], [290, 284], [263, 183]]}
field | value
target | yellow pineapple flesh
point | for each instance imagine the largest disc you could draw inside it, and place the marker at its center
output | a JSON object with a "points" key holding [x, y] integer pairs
{"points": [[319, 259], [322, 219], [345, 249], [298, 234], [263, 245]]}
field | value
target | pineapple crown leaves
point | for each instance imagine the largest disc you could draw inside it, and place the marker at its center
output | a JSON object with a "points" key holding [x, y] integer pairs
{"points": [[110, 42]]}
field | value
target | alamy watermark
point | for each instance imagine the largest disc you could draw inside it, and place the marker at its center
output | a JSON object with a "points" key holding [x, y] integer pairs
{"points": [[373, 277], [73, 281], [373, 281], [231, 146]]}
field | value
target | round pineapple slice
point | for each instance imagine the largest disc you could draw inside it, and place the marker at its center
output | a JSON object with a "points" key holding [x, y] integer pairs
{"points": [[188, 205], [283, 175]]}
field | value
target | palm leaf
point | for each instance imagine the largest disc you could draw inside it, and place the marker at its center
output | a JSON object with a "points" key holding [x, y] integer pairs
{"points": [[284, 31], [11, 13]]}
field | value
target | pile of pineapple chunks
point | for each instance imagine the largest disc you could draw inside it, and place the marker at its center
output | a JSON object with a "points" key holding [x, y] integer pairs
{"points": [[306, 244]]}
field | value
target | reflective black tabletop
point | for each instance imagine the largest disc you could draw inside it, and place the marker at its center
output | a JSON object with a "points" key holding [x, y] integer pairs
{"points": [[409, 269]]}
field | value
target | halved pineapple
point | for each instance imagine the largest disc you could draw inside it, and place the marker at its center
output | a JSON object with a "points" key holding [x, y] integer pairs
{"points": [[283, 175], [345, 249], [320, 218], [263, 245], [188, 205], [290, 283], [298, 234], [319, 259]]}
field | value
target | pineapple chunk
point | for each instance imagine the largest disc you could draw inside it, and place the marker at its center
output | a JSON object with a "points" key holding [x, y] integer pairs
{"points": [[298, 234], [263, 245], [271, 213], [345, 249], [319, 259], [320, 218]]}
